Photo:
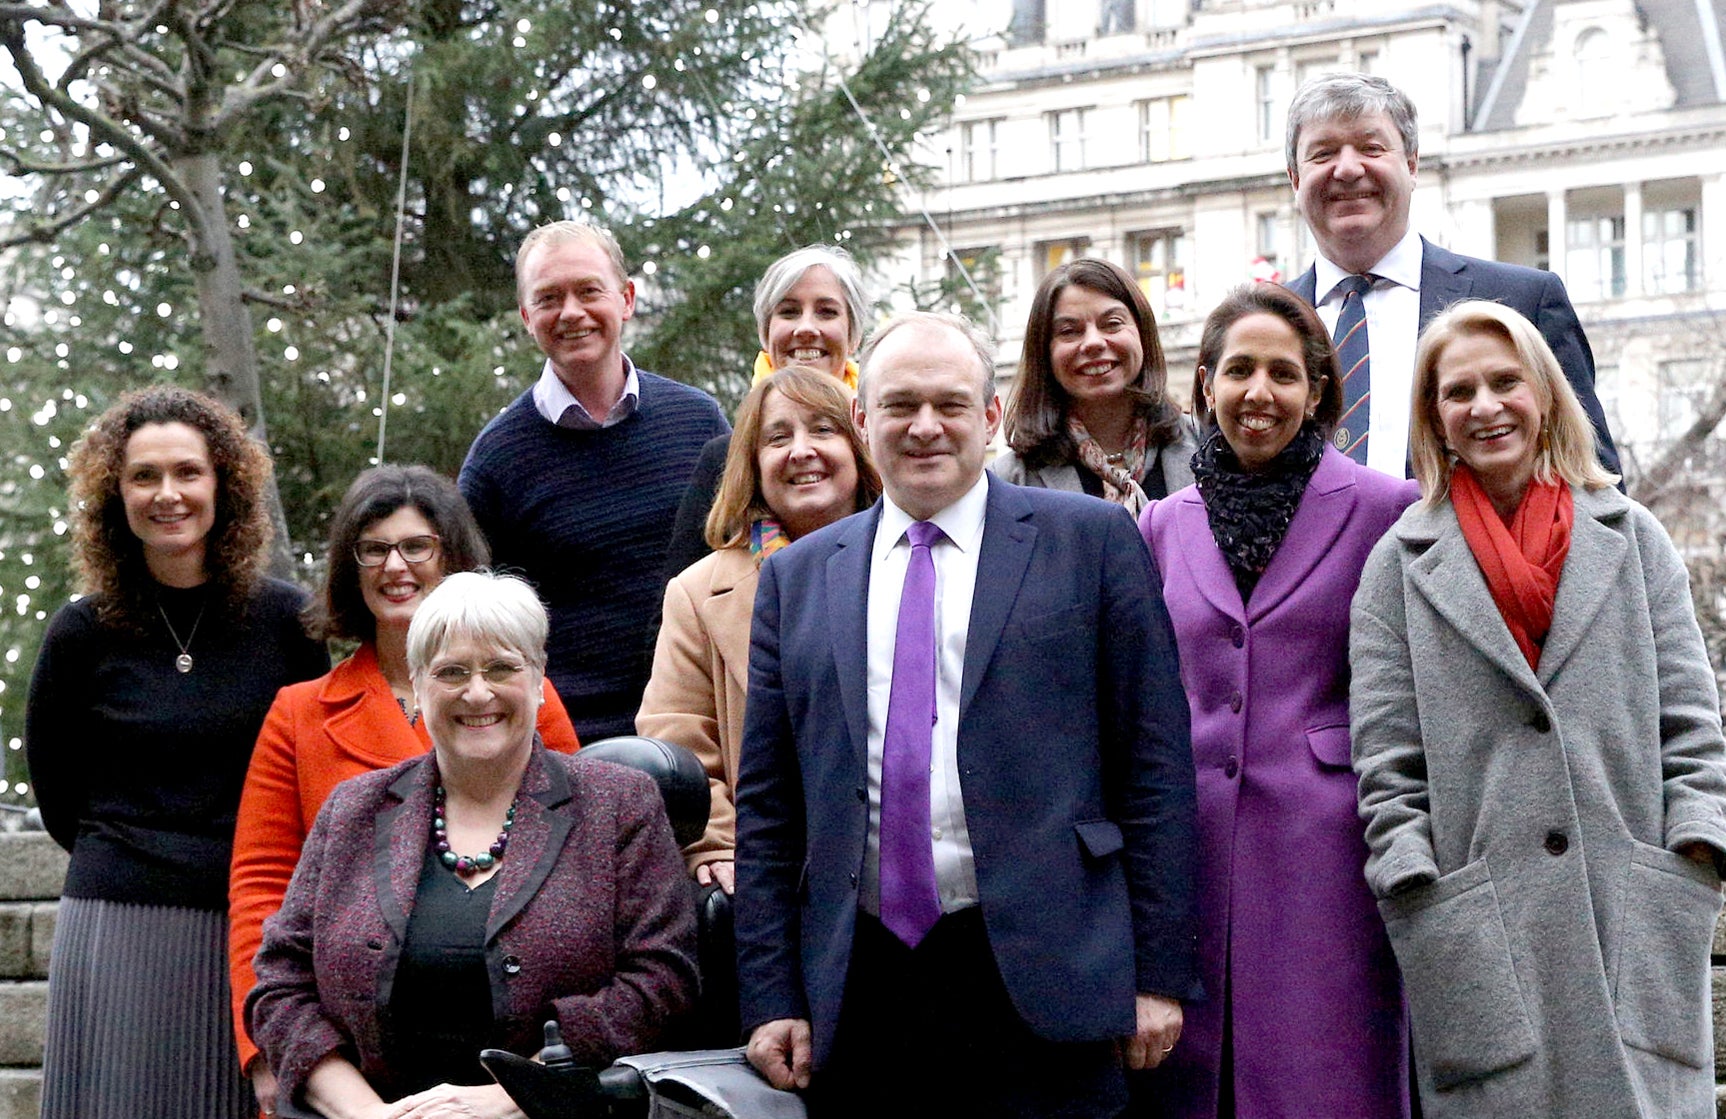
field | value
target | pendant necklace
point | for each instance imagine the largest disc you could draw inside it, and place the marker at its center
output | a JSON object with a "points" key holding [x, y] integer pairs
{"points": [[183, 662]]}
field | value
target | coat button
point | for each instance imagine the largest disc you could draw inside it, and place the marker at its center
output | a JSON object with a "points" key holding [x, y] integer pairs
{"points": [[1540, 722], [1237, 636], [1231, 767], [512, 965], [862, 797], [1235, 703], [853, 880], [1556, 843], [375, 944]]}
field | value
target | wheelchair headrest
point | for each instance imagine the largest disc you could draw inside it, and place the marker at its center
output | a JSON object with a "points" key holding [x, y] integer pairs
{"points": [[681, 779]]}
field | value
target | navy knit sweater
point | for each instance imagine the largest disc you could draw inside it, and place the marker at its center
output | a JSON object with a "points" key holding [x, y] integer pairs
{"points": [[585, 516]]}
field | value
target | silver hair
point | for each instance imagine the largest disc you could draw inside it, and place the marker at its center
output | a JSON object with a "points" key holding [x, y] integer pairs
{"points": [[558, 232], [981, 345], [782, 275], [1350, 97], [482, 606]]}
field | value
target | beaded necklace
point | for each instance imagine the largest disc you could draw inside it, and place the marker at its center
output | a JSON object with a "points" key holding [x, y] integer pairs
{"points": [[467, 864]]}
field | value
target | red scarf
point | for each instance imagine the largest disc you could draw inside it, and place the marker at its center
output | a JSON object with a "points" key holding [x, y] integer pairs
{"points": [[1521, 562]]}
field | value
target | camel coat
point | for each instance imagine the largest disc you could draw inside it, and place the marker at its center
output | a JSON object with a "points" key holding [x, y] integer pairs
{"points": [[1522, 824], [700, 670]]}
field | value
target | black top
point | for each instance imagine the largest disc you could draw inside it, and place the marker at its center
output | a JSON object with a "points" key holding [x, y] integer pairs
{"points": [[440, 1006], [1156, 487], [138, 767], [689, 531]]}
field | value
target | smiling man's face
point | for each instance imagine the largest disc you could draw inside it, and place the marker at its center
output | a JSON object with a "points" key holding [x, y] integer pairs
{"points": [[1353, 182]]}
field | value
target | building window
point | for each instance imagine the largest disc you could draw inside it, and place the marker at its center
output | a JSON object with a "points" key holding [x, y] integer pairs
{"points": [[1163, 129], [1597, 73], [1366, 62], [1266, 234], [1052, 254], [1264, 85], [974, 278], [1114, 17], [1684, 387], [1669, 251], [1594, 257], [977, 147], [1158, 260], [1067, 139], [1542, 250]]}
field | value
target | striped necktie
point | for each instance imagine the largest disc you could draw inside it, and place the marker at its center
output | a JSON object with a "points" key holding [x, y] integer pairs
{"points": [[1355, 357]]}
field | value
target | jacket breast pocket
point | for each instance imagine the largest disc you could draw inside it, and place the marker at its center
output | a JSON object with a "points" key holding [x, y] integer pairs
{"points": [[1072, 623], [1662, 993], [1099, 838], [1330, 745], [1464, 1002]]}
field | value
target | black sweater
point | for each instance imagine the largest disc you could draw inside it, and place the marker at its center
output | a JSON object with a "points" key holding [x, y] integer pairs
{"points": [[138, 767]]}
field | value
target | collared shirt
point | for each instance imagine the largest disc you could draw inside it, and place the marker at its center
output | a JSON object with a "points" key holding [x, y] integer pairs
{"points": [[553, 400], [1392, 331], [955, 584]]}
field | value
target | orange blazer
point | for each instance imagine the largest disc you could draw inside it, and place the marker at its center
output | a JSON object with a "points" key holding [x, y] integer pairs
{"points": [[317, 735]]}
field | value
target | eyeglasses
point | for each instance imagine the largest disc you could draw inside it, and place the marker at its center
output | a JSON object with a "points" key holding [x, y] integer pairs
{"points": [[413, 549], [454, 677]]}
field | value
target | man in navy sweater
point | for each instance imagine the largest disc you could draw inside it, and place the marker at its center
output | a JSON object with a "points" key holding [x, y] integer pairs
{"points": [[577, 482]]}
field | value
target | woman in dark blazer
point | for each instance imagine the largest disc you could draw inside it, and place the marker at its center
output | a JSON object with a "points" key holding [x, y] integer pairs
{"points": [[458, 900], [1090, 411], [1259, 561]]}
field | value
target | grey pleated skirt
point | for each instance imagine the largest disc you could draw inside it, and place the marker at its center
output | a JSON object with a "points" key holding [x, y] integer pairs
{"points": [[139, 1023]]}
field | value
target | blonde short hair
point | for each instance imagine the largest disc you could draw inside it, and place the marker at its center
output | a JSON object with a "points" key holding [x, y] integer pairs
{"points": [[1568, 448], [558, 232]]}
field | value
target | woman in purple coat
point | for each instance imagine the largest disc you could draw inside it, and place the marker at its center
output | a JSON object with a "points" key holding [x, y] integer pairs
{"points": [[1259, 560]]}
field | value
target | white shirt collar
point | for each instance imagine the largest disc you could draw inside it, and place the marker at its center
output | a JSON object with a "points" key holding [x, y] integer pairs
{"points": [[551, 398], [1401, 265], [962, 521]]}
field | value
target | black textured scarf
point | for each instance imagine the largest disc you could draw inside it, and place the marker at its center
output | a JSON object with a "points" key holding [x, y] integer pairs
{"points": [[1250, 512]]}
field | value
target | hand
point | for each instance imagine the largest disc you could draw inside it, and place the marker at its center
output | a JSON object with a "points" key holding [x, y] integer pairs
{"points": [[264, 1085], [449, 1101], [781, 1051], [723, 872], [1159, 1027], [1698, 852]]}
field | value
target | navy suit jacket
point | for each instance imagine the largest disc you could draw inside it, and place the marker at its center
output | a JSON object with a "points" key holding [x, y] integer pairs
{"points": [[1538, 295], [1074, 756]]}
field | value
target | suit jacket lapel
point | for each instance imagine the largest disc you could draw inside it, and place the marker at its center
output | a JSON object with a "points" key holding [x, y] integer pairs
{"points": [[1443, 280], [542, 825], [848, 612], [1209, 571], [399, 845], [1305, 285], [1319, 519], [1590, 572], [1008, 537], [1448, 577]]}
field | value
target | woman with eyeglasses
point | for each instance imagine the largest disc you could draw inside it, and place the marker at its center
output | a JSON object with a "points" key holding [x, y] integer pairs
{"points": [[457, 901], [398, 532]]}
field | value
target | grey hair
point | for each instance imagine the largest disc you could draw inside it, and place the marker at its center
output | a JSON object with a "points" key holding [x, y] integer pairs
{"points": [[981, 345], [558, 232], [782, 275], [1350, 97], [482, 606]]}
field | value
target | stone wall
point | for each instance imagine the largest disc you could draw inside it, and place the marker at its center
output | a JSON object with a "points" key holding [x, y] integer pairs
{"points": [[32, 868]]}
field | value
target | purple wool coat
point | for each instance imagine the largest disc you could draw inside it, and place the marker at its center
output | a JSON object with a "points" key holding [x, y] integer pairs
{"points": [[592, 921], [1290, 941]]}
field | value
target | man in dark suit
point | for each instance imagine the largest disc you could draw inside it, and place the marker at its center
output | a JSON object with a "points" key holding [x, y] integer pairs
{"points": [[985, 906], [1353, 146]]}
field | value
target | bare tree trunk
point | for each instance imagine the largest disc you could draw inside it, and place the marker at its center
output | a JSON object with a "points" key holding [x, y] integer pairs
{"points": [[230, 355]]}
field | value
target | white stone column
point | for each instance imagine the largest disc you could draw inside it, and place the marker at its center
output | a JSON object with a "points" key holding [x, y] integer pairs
{"points": [[1633, 239], [1556, 232]]}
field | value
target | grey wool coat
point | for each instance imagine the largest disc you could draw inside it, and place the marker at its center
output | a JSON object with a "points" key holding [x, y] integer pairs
{"points": [[1176, 457], [1521, 824]]}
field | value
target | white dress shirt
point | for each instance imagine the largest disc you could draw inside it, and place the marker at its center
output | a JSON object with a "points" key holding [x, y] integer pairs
{"points": [[553, 400], [1392, 331], [955, 584]]}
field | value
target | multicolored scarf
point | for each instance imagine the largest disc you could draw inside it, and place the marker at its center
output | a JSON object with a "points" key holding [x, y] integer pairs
{"points": [[1120, 479], [1523, 560], [766, 537], [764, 369]]}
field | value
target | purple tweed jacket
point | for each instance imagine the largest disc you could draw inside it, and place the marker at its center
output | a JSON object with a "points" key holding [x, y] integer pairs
{"points": [[592, 921]]}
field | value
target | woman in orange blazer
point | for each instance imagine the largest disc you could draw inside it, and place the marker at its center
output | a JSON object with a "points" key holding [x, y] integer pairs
{"points": [[398, 532]]}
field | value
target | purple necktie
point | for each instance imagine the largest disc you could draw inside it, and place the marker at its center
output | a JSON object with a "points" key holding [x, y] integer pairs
{"points": [[910, 905]]}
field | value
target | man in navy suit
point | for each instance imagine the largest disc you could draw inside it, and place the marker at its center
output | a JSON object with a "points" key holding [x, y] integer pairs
{"points": [[1353, 146], [1047, 937]]}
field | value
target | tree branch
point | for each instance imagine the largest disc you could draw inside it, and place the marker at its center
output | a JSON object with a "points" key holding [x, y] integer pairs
{"points": [[1667, 467], [44, 233], [23, 165]]}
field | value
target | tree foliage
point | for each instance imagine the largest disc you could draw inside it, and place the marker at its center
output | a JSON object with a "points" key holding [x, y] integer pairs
{"points": [[521, 111]]}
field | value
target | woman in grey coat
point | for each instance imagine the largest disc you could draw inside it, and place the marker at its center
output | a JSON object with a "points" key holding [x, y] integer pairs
{"points": [[1537, 734], [1090, 411]]}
